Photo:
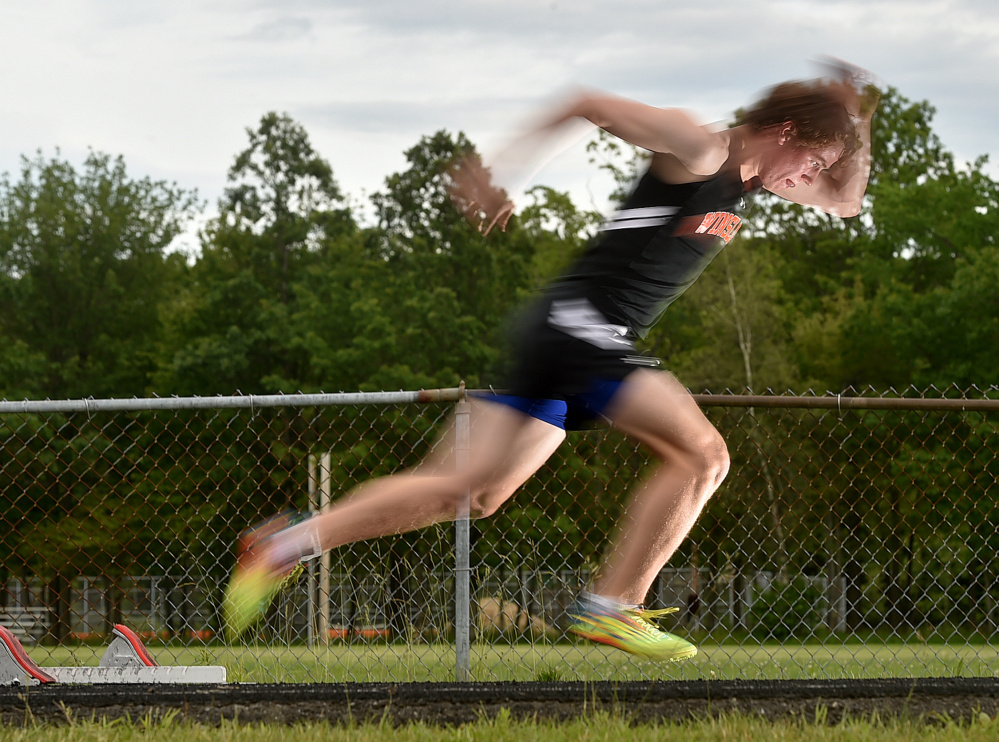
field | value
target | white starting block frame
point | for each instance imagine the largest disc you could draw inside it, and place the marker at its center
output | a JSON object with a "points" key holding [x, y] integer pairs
{"points": [[126, 660]]}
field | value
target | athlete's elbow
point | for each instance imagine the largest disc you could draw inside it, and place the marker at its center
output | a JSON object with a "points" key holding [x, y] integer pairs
{"points": [[846, 210], [837, 205], [593, 106]]}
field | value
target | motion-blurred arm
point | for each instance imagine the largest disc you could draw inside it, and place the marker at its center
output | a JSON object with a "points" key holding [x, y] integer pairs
{"points": [[484, 191]]}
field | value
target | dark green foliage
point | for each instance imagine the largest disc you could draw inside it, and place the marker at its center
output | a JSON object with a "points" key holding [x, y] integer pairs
{"points": [[84, 276], [787, 610], [289, 292]]}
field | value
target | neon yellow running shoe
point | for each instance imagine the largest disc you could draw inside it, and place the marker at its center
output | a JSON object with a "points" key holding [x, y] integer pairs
{"points": [[632, 630], [258, 578]]}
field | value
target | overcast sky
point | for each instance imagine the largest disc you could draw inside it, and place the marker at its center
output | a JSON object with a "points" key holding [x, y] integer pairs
{"points": [[173, 86]]}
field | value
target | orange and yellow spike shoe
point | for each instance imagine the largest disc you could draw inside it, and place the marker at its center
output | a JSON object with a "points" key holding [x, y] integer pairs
{"points": [[633, 631], [259, 575]]}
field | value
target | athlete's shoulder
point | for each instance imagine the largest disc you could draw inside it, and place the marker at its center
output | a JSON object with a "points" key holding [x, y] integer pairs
{"points": [[716, 154]]}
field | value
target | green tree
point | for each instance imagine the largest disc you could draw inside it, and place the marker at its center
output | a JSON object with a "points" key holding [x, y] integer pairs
{"points": [[556, 230], [276, 220], [85, 270], [447, 290], [890, 304], [959, 323]]}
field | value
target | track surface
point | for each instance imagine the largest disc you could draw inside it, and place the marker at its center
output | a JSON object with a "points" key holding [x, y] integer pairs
{"points": [[930, 699]]}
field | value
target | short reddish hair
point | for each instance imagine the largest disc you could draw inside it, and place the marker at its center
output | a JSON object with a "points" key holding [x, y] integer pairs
{"points": [[816, 109]]}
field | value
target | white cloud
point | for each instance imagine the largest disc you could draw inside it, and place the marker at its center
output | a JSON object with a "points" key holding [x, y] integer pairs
{"points": [[173, 87]]}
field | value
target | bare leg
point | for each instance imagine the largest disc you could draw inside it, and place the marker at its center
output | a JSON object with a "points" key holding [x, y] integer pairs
{"points": [[655, 409], [507, 447]]}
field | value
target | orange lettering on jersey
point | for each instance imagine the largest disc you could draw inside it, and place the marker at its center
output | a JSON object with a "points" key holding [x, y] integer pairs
{"points": [[720, 224]]}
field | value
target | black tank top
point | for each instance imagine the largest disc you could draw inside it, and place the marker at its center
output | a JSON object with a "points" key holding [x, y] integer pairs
{"points": [[651, 251]]}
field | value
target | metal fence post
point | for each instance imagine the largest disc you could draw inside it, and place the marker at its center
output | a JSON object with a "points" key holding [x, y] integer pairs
{"points": [[318, 572], [310, 567], [325, 477], [462, 569]]}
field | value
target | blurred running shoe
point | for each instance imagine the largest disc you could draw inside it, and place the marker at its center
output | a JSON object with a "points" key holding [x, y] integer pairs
{"points": [[264, 565], [632, 630]]}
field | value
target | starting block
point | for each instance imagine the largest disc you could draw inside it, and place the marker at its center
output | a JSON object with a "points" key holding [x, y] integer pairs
{"points": [[126, 660]]}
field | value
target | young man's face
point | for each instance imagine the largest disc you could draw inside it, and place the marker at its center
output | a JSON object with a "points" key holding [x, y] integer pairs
{"points": [[789, 164]]}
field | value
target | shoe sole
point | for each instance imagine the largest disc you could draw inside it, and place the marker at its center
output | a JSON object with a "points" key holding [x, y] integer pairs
{"points": [[677, 656]]}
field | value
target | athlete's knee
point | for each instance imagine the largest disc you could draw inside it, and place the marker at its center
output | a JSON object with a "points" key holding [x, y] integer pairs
{"points": [[717, 460], [488, 498], [482, 495], [481, 503], [482, 508], [708, 458]]}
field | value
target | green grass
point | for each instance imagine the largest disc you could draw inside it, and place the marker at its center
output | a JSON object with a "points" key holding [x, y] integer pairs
{"points": [[545, 662], [502, 728], [380, 662]]}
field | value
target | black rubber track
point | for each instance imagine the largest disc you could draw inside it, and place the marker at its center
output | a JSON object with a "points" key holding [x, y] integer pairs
{"points": [[930, 699]]}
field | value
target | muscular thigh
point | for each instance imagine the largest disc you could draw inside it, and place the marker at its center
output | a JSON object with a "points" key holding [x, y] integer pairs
{"points": [[515, 457], [653, 407]]}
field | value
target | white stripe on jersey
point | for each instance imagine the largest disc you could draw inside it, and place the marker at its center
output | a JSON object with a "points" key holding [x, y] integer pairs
{"points": [[581, 320], [647, 216]]}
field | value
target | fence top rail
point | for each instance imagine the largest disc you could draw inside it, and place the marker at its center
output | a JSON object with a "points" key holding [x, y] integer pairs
{"points": [[840, 402], [426, 396], [249, 401]]}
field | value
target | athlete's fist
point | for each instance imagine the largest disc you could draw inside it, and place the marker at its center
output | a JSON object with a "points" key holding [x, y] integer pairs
{"points": [[473, 193]]}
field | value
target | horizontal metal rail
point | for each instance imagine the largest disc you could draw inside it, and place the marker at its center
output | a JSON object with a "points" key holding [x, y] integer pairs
{"points": [[840, 402], [424, 396], [249, 401]]}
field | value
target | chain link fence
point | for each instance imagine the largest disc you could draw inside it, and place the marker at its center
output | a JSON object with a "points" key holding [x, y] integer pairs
{"points": [[856, 536]]}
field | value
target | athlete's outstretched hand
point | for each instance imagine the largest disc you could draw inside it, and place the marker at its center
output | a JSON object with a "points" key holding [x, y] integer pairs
{"points": [[482, 203]]}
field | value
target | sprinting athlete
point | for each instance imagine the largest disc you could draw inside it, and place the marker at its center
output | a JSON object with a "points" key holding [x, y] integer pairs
{"points": [[574, 353]]}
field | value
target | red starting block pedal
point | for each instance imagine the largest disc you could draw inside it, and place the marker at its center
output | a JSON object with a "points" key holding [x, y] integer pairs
{"points": [[127, 650], [16, 667], [126, 660]]}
